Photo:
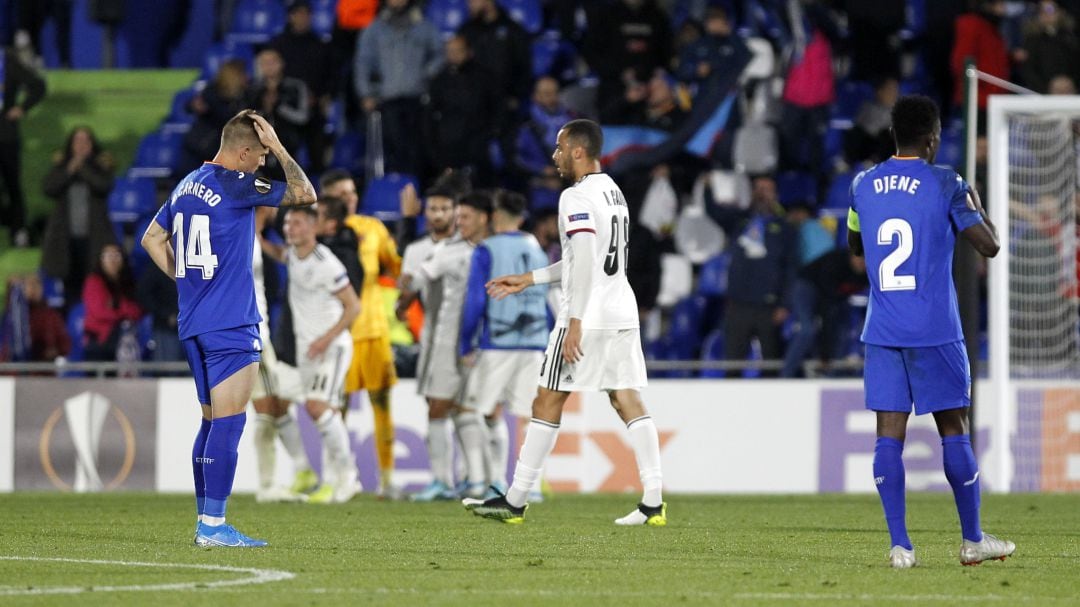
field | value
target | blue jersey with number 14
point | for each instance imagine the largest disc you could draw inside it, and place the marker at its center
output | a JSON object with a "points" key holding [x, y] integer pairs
{"points": [[909, 213], [212, 220]]}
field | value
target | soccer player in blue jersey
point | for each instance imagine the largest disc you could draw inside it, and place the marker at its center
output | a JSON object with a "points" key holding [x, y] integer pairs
{"points": [[912, 211], [204, 236]]}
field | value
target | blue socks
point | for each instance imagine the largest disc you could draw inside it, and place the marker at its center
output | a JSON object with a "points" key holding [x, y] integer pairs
{"points": [[219, 461], [889, 478], [197, 467], [962, 471]]}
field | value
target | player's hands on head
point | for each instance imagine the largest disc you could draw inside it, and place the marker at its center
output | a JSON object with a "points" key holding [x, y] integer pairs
{"points": [[267, 135], [508, 285]]}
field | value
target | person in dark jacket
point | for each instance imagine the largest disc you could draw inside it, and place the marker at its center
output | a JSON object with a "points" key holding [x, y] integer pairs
{"points": [[461, 107], [310, 59], [227, 94], [718, 50], [339, 238], [763, 266], [49, 336], [502, 47], [284, 101], [23, 88], [1050, 48], [79, 181], [156, 293]]}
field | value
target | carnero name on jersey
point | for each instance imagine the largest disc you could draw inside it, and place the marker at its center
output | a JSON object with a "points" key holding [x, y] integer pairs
{"points": [[198, 190]]}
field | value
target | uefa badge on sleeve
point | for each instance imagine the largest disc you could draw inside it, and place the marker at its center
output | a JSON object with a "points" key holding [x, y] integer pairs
{"points": [[262, 186]]}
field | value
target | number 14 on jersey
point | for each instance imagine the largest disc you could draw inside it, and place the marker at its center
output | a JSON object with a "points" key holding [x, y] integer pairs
{"points": [[193, 248]]}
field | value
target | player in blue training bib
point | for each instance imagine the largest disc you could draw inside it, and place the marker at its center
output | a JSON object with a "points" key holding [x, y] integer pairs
{"points": [[904, 217], [203, 236]]}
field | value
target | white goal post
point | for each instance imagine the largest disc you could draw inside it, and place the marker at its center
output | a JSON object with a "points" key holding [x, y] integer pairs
{"points": [[1034, 329]]}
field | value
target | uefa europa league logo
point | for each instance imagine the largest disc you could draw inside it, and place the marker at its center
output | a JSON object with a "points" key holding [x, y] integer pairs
{"points": [[85, 415]]}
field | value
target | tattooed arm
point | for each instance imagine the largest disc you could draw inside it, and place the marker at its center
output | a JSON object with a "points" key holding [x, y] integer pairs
{"points": [[300, 192]]}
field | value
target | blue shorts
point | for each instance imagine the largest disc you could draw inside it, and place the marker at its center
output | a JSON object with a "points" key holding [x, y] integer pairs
{"points": [[215, 356], [934, 378]]}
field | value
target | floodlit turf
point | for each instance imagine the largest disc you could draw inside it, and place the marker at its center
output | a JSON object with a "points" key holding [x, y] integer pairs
{"points": [[746, 550]]}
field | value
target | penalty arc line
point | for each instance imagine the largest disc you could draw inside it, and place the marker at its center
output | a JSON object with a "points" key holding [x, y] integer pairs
{"points": [[258, 576]]}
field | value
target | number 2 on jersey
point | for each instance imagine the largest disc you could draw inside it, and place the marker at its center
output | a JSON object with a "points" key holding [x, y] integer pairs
{"points": [[611, 262], [890, 280], [197, 253]]}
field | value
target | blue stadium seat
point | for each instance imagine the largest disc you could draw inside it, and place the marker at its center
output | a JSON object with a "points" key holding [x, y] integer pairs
{"points": [[553, 56], [157, 154], [256, 21], [220, 53], [837, 197], [76, 316], [712, 349], [131, 199], [348, 152], [144, 332], [951, 152], [834, 146], [179, 118], [755, 354], [323, 17], [713, 278], [447, 15], [381, 196], [528, 13], [850, 95], [685, 331], [793, 186], [52, 290]]}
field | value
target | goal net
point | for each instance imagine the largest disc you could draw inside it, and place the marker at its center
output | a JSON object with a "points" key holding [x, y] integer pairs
{"points": [[1034, 327]]}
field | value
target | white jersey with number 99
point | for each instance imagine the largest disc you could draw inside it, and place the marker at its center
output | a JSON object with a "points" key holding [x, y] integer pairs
{"points": [[596, 204]]}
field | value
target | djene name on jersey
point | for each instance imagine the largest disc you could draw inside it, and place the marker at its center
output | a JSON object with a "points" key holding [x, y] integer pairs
{"points": [[890, 183]]}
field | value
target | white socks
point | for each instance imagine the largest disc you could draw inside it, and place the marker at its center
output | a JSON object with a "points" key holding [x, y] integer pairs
{"points": [[472, 432], [498, 447], [334, 437], [265, 450], [646, 443], [289, 431], [539, 441], [439, 452]]}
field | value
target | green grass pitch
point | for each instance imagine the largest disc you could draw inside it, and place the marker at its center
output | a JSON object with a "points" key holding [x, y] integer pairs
{"points": [[729, 550]]}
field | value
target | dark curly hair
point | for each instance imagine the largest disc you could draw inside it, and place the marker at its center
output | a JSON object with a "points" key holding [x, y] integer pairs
{"points": [[914, 118]]}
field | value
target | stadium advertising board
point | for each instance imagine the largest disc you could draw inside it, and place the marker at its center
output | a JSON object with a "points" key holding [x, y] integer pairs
{"points": [[737, 436]]}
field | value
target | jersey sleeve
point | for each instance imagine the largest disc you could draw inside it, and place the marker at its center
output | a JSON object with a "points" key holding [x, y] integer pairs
{"points": [[475, 298], [246, 190], [961, 212], [853, 220], [335, 277], [164, 216], [576, 213]]}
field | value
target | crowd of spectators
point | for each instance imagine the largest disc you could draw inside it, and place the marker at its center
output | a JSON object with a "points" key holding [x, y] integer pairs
{"points": [[813, 82]]}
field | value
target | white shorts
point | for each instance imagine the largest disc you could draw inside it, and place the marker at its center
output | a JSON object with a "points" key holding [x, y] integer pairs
{"points": [[324, 379], [611, 360], [440, 375], [275, 377], [503, 376]]}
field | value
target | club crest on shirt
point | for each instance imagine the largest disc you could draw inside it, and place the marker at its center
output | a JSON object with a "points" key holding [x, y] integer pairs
{"points": [[579, 217], [262, 186]]}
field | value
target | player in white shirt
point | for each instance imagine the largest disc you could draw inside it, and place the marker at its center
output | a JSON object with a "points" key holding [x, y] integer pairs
{"points": [[324, 305], [444, 376], [276, 387], [596, 343], [440, 216]]}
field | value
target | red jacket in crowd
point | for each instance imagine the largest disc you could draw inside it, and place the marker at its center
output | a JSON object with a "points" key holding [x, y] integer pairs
{"points": [[104, 312], [980, 40]]}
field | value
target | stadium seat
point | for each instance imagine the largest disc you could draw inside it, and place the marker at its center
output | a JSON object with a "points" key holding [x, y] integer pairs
{"points": [[755, 354], [850, 95], [712, 349], [794, 186], [157, 154], [528, 13], [713, 278], [676, 279], [144, 332], [447, 15], [76, 316], [553, 56], [915, 19], [220, 53], [52, 290], [348, 153], [762, 62], [131, 199], [837, 197], [179, 118], [381, 196], [323, 17], [951, 152], [256, 21], [686, 321]]}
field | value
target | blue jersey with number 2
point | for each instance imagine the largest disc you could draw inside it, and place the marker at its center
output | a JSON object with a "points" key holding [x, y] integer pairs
{"points": [[212, 220], [909, 213]]}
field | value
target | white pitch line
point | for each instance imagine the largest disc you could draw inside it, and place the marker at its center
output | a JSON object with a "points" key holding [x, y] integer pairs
{"points": [[258, 576]]}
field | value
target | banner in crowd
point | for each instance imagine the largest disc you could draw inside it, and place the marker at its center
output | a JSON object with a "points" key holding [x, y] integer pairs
{"points": [[722, 436]]}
